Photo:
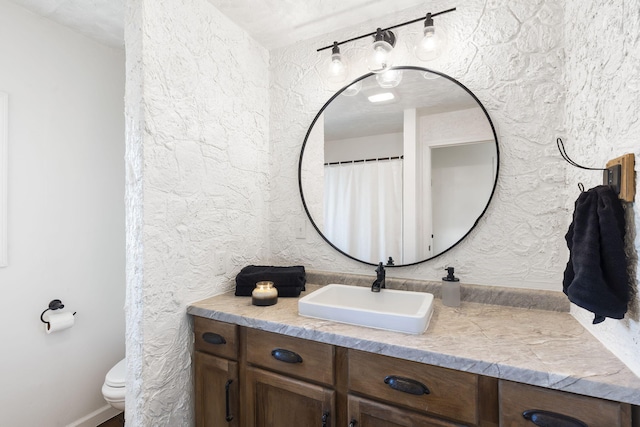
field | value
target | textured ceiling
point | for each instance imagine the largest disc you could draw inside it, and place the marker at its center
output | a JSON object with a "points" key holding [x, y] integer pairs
{"points": [[277, 23], [273, 23]]}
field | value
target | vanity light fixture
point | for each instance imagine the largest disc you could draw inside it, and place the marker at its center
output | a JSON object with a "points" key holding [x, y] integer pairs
{"points": [[380, 56], [338, 69]]}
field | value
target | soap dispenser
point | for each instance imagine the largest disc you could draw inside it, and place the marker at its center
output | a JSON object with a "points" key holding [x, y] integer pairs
{"points": [[451, 289]]}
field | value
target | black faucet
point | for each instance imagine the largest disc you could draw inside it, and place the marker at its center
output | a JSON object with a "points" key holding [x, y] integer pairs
{"points": [[379, 283]]}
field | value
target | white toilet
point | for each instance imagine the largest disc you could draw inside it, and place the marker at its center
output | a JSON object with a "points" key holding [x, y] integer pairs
{"points": [[113, 388]]}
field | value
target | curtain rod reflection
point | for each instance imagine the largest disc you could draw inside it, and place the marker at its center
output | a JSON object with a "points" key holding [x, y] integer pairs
{"points": [[379, 159]]}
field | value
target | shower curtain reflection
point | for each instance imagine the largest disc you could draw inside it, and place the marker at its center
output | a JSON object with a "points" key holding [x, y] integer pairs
{"points": [[363, 208]]}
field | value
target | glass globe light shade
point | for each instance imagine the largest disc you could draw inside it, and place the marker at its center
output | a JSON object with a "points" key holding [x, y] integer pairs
{"points": [[337, 71], [380, 56], [389, 79], [431, 45]]}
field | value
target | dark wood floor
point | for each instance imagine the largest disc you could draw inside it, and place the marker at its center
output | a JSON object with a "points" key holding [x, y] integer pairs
{"points": [[117, 421]]}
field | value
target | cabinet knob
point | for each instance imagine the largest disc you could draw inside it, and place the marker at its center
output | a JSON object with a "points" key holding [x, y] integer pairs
{"points": [[551, 419], [286, 356], [213, 338], [406, 385], [352, 423]]}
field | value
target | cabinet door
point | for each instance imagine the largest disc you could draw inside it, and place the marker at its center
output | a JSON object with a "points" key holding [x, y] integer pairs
{"points": [[274, 400], [217, 391], [367, 413]]}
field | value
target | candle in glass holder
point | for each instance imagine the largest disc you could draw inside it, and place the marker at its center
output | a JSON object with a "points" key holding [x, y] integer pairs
{"points": [[264, 294]]}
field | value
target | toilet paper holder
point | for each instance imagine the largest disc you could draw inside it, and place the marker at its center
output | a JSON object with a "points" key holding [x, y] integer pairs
{"points": [[55, 304]]}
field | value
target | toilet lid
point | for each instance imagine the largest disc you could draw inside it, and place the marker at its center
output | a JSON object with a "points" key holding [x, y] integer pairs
{"points": [[116, 375]]}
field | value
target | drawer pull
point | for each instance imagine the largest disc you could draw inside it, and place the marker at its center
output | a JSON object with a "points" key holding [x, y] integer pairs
{"points": [[286, 356], [213, 338], [551, 419], [228, 417], [353, 423], [406, 385]]}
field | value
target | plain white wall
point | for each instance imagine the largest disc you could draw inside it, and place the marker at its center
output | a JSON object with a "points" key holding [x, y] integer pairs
{"points": [[66, 219], [363, 147], [462, 177]]}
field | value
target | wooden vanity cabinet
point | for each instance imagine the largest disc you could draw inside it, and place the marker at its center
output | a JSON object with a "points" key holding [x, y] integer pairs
{"points": [[558, 408], [216, 374], [250, 378]]}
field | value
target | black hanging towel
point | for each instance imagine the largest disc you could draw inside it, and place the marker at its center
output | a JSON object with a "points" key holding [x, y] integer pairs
{"points": [[596, 276]]}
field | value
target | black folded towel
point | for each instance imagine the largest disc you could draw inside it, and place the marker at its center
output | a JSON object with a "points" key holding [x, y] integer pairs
{"points": [[596, 276], [289, 281]]}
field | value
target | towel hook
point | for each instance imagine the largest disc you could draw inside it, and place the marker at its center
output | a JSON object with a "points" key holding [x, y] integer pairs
{"points": [[563, 153], [611, 176], [55, 304]]}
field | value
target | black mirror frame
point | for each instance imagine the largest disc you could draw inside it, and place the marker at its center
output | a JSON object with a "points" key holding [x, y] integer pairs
{"points": [[304, 144]]}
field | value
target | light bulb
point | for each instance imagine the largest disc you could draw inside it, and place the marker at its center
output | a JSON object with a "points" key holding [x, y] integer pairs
{"points": [[380, 57], [389, 79], [338, 70], [432, 44]]}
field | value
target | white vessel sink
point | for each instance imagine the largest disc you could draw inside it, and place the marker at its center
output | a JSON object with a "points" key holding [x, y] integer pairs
{"points": [[393, 310]]}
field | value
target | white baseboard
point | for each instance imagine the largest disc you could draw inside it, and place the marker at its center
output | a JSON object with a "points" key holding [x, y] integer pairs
{"points": [[96, 417]]}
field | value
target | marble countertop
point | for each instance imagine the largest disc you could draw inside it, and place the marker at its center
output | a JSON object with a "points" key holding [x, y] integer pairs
{"points": [[539, 347]]}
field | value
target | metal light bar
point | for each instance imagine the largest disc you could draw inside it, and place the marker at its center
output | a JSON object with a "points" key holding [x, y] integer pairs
{"points": [[385, 29]]}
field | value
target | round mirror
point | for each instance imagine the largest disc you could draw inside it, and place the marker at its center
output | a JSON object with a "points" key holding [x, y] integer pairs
{"points": [[398, 172]]}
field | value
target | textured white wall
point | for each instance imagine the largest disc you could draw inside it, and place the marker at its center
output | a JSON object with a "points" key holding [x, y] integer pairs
{"points": [[197, 186], [212, 166], [510, 54], [603, 88], [65, 219]]}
